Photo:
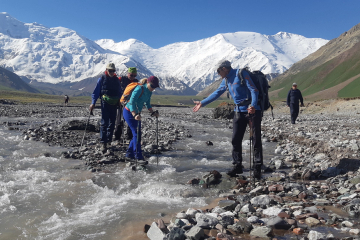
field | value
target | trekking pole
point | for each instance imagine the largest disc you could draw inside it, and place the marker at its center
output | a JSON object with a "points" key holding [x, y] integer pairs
{"points": [[137, 143], [157, 141], [87, 123], [157, 137], [251, 142]]}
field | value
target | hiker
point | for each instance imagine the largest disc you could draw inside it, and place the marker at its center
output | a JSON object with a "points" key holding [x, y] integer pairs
{"points": [[109, 90], [66, 98], [243, 116], [124, 81], [141, 95], [292, 101]]}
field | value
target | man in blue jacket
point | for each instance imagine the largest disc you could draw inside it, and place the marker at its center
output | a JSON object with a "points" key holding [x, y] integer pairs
{"points": [[109, 90], [292, 101], [243, 116]]}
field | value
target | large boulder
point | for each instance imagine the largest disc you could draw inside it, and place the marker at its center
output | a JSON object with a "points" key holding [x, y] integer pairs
{"points": [[224, 110]]}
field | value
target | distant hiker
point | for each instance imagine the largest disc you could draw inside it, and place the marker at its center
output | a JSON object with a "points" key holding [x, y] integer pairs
{"points": [[66, 98], [243, 116], [109, 90], [124, 81], [292, 101], [141, 95]]}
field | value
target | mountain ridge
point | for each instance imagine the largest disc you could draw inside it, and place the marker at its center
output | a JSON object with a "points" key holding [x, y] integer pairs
{"points": [[61, 55], [331, 65]]}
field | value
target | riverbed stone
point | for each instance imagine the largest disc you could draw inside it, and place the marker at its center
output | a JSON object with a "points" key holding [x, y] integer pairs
{"points": [[260, 200], [155, 233], [315, 235], [310, 221], [262, 231], [205, 220], [278, 223], [272, 211], [195, 233], [176, 234]]}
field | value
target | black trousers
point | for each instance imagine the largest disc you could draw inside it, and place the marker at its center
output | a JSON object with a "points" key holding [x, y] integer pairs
{"points": [[240, 122], [119, 125], [294, 111]]}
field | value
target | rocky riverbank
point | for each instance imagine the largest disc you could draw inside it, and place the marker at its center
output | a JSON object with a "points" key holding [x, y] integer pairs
{"points": [[309, 190]]}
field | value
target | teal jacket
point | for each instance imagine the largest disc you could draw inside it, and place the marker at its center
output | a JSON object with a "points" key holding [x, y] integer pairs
{"points": [[137, 100]]}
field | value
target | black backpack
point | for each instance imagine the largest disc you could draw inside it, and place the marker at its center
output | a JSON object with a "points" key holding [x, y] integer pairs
{"points": [[262, 85]]}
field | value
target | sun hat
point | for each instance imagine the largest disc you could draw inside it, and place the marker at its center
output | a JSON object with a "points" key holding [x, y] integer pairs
{"points": [[294, 84], [111, 66]]}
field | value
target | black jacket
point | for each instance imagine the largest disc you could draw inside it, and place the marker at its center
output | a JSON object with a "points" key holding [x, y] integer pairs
{"points": [[124, 81], [294, 96]]}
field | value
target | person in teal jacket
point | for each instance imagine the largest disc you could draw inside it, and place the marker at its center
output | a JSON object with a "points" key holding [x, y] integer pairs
{"points": [[140, 96]]}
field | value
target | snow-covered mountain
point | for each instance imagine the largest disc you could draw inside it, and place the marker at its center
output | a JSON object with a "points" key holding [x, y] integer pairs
{"points": [[195, 62], [52, 55], [55, 55]]}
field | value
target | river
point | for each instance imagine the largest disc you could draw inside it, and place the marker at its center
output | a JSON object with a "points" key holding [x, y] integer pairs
{"points": [[46, 196]]}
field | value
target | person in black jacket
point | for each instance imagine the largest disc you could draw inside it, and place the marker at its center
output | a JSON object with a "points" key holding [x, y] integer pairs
{"points": [[124, 81], [292, 101]]}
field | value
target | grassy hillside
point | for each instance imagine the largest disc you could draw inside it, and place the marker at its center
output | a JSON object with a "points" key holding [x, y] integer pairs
{"points": [[11, 81], [23, 97], [327, 75]]}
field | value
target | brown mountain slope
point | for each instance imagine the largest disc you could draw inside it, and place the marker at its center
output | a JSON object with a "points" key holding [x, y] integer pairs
{"points": [[329, 67]]}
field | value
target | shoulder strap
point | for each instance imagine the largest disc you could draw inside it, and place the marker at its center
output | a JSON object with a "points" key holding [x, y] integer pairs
{"points": [[142, 90]]}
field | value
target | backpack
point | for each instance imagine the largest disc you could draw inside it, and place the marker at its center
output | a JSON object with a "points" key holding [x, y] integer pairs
{"points": [[128, 91], [109, 90], [262, 85]]}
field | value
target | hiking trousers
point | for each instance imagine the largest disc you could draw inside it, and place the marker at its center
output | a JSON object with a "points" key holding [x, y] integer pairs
{"points": [[294, 111], [240, 122], [133, 151], [107, 124]]}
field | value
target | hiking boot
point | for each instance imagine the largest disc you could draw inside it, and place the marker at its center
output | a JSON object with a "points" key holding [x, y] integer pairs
{"points": [[237, 169], [257, 172], [103, 148]]}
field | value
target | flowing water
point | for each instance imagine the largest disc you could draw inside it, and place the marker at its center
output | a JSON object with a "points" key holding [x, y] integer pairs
{"points": [[45, 196]]}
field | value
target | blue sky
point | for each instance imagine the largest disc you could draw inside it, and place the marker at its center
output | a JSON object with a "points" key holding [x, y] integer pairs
{"points": [[161, 22]]}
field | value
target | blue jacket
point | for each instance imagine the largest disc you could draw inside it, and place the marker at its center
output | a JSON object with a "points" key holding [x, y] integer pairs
{"points": [[97, 91], [238, 92], [136, 101]]}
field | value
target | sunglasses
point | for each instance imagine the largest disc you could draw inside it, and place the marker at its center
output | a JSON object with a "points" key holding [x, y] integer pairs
{"points": [[218, 71], [152, 86], [133, 75], [111, 71]]}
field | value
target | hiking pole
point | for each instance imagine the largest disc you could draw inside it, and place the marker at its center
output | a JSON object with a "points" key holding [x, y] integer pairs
{"points": [[251, 142], [87, 123], [137, 143], [157, 137], [157, 141]]}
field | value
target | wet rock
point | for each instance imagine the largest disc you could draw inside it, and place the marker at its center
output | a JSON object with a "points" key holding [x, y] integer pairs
{"points": [[262, 232], [278, 223], [310, 221], [227, 205], [155, 233], [314, 235], [241, 226], [205, 221], [195, 233], [176, 234]]}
